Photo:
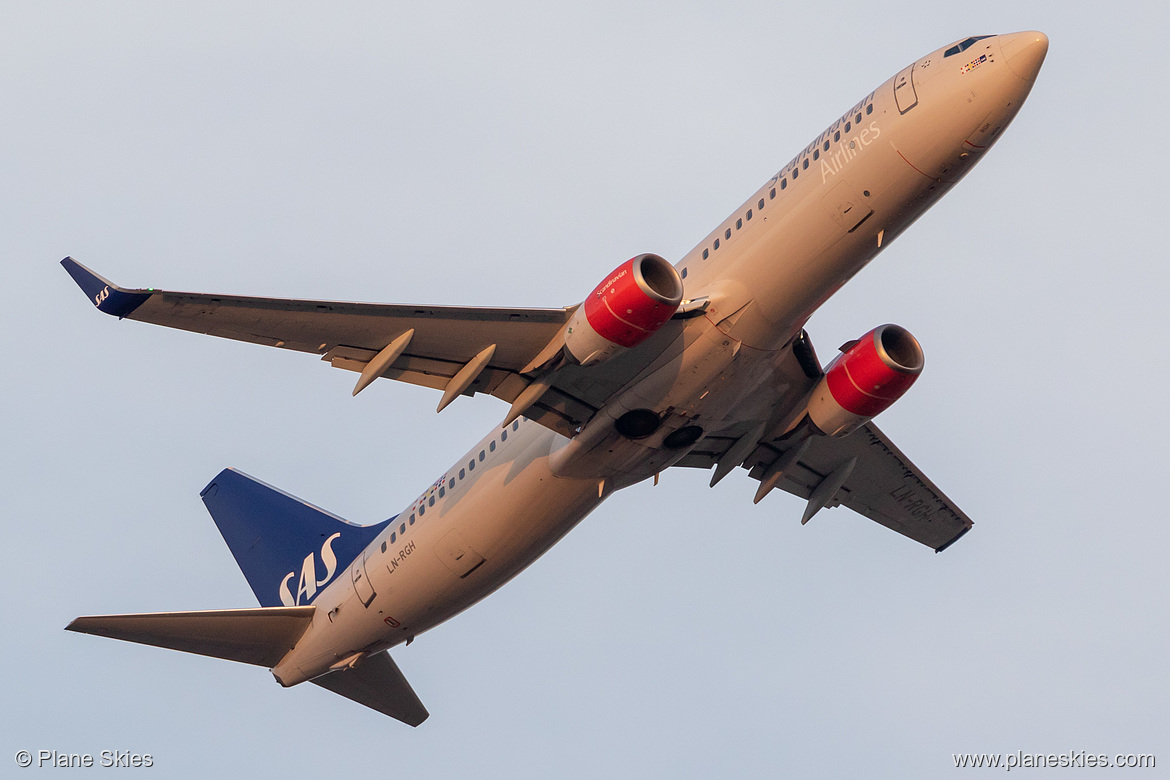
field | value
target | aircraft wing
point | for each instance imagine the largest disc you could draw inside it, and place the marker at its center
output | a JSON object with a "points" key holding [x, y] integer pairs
{"points": [[445, 345], [863, 471]]}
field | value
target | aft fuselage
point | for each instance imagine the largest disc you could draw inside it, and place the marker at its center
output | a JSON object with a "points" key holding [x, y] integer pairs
{"points": [[760, 274]]}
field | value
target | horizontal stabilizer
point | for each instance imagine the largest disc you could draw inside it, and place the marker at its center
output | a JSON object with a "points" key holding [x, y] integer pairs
{"points": [[378, 683], [251, 636]]}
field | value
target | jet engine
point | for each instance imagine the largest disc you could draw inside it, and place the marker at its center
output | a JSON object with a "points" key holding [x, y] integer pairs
{"points": [[624, 310], [869, 375]]}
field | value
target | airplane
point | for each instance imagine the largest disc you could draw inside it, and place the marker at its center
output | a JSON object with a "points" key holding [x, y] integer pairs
{"points": [[703, 364]]}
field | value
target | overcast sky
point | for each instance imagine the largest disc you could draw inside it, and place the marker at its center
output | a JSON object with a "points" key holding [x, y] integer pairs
{"points": [[443, 153]]}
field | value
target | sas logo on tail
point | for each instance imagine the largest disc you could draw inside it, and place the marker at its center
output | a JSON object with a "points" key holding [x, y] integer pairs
{"points": [[308, 584]]}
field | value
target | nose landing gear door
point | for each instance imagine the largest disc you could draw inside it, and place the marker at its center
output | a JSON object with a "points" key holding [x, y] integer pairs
{"points": [[904, 93]]}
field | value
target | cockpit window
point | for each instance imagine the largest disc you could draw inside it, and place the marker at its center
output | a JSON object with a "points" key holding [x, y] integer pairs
{"points": [[964, 45]]}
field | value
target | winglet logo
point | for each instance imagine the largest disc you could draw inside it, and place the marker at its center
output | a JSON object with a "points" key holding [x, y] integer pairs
{"points": [[308, 585]]}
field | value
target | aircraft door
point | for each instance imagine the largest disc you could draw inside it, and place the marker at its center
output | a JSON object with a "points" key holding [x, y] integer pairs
{"points": [[361, 582], [904, 93]]}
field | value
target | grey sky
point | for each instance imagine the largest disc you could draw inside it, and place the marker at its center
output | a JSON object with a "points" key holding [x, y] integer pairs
{"points": [[448, 153]]}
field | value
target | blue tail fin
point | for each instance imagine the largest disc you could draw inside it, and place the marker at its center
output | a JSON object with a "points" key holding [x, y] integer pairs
{"points": [[287, 549]]}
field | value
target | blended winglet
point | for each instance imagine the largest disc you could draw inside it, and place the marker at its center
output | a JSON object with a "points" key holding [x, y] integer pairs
{"points": [[104, 294]]}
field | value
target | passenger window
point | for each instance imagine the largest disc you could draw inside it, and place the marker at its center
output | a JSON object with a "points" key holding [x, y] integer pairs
{"points": [[869, 109], [492, 446], [847, 126], [761, 203], [816, 154], [683, 272], [727, 233], [452, 483], [706, 253], [422, 509], [431, 501], [442, 491], [857, 119], [504, 435], [412, 519], [383, 547], [716, 243], [804, 165], [481, 456], [784, 184], [836, 136], [772, 194], [393, 537], [795, 174], [749, 215], [402, 528], [516, 425], [471, 465], [738, 224], [462, 473], [826, 147]]}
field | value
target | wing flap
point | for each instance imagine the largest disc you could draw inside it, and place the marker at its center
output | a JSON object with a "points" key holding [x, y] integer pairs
{"points": [[428, 372], [252, 636], [379, 684]]}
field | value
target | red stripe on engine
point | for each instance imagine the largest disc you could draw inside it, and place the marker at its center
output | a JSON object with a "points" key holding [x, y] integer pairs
{"points": [[862, 383], [621, 312]]}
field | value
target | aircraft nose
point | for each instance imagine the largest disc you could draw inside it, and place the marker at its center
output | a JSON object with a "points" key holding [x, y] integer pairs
{"points": [[1024, 52]]}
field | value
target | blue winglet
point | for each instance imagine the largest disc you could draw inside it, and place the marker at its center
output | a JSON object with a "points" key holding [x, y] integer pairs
{"points": [[107, 296]]}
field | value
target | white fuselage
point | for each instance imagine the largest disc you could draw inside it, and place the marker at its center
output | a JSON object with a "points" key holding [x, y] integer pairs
{"points": [[763, 271]]}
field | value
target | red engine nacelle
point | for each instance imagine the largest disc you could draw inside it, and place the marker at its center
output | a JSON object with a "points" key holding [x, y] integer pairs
{"points": [[866, 379], [624, 310]]}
